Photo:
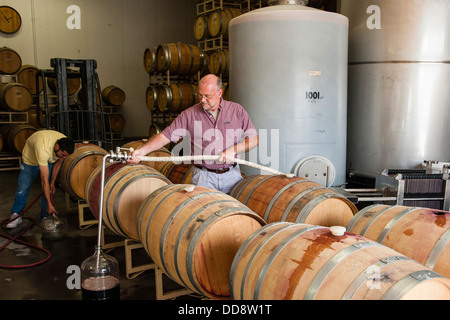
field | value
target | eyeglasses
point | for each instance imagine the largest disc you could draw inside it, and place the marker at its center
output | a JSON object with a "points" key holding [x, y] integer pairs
{"points": [[207, 97]]}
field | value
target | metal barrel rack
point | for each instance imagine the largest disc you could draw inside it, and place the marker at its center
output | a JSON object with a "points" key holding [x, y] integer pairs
{"points": [[80, 122]]}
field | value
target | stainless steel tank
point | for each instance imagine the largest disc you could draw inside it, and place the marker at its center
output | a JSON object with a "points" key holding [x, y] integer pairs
{"points": [[288, 68], [399, 75]]}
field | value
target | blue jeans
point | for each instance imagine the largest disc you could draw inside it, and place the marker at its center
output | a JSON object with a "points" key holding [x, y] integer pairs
{"points": [[26, 179]]}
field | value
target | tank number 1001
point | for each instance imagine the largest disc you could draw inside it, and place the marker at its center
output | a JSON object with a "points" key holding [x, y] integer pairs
{"points": [[310, 95]]}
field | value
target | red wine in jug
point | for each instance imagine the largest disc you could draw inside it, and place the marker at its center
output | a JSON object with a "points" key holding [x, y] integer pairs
{"points": [[100, 288]]}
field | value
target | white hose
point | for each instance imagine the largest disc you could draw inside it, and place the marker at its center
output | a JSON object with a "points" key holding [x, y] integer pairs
{"points": [[210, 158]]}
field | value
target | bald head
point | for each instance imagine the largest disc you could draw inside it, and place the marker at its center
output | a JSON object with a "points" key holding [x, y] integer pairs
{"points": [[211, 81], [209, 92]]}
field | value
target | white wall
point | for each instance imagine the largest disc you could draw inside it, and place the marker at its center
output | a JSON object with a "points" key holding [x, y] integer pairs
{"points": [[115, 33]]}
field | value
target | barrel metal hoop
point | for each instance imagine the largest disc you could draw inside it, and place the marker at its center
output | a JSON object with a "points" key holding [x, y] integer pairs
{"points": [[181, 234], [274, 254], [167, 56], [306, 210], [242, 249], [169, 187], [222, 22], [177, 69], [331, 264], [199, 232], [392, 222], [183, 181], [76, 160], [191, 63], [293, 202], [277, 195], [437, 250], [255, 187], [254, 253], [365, 276], [404, 285], [148, 202], [99, 173], [169, 98], [247, 181], [123, 187], [375, 217], [356, 217], [106, 216], [143, 209], [172, 216]]}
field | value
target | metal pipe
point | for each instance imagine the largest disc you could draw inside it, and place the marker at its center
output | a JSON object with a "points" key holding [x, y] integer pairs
{"points": [[283, 2], [100, 218], [377, 199]]}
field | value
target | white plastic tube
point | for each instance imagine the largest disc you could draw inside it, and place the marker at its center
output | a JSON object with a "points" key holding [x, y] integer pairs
{"points": [[209, 158]]}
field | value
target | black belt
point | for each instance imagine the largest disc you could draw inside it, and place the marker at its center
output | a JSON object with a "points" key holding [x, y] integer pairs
{"points": [[218, 171]]}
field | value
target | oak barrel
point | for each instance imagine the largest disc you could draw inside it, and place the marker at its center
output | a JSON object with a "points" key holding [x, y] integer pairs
{"points": [[116, 123], [188, 95], [77, 167], [15, 136], [156, 128], [419, 233], [201, 30], [287, 261], [178, 58], [178, 173], [280, 198], [113, 121], [15, 96], [113, 95], [176, 97], [27, 76], [219, 62], [193, 233], [163, 152], [150, 60], [226, 92], [10, 61], [35, 120], [126, 188], [73, 85], [151, 98], [204, 69], [168, 98], [219, 20]]}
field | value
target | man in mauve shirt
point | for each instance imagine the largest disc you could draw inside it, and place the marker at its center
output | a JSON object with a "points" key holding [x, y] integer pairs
{"points": [[214, 127]]}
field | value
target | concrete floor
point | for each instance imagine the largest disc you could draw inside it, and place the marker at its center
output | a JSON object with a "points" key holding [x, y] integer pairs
{"points": [[48, 281]]}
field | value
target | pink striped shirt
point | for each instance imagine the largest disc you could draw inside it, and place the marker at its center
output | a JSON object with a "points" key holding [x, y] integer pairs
{"points": [[208, 136]]}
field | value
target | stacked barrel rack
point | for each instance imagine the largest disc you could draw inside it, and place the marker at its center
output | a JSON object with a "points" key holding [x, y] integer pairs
{"points": [[175, 68], [16, 92], [172, 69], [114, 98], [21, 106], [211, 30]]}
